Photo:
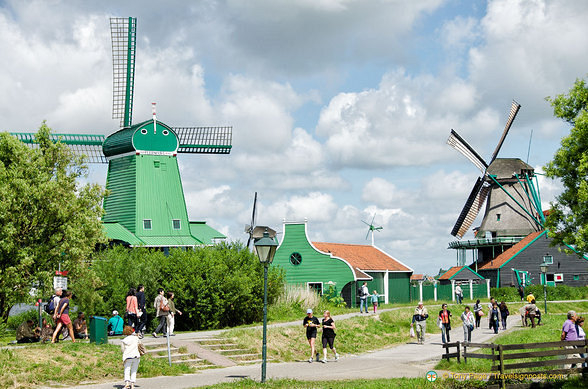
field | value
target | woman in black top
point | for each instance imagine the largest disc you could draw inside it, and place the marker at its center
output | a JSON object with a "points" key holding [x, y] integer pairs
{"points": [[328, 336], [311, 323]]}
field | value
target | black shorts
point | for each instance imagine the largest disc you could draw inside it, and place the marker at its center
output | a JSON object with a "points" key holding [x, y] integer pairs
{"points": [[329, 341], [311, 335]]}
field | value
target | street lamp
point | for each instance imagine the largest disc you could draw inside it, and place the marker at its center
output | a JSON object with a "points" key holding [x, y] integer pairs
{"points": [[266, 249], [544, 267]]}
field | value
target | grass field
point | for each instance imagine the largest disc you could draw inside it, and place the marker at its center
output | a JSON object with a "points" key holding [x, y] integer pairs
{"points": [[355, 335], [69, 363], [401, 383]]}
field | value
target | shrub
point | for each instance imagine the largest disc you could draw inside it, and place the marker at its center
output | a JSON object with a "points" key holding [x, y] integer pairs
{"points": [[214, 286], [560, 292]]}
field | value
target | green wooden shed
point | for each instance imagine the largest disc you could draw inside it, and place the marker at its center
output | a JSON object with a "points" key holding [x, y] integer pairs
{"points": [[316, 265]]}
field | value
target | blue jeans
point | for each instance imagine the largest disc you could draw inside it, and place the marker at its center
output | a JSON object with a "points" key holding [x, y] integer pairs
{"points": [[363, 303], [445, 333]]}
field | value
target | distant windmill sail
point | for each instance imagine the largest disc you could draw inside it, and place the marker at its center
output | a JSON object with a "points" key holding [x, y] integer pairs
{"points": [[471, 209], [124, 42]]}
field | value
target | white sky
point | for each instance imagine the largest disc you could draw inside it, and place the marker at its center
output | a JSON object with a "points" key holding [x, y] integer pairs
{"points": [[340, 108]]}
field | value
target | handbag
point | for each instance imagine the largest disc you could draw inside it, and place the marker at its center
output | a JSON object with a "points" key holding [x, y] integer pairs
{"points": [[471, 327], [439, 323], [412, 332], [142, 349]]}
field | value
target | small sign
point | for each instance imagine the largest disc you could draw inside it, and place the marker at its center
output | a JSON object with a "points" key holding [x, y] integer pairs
{"points": [[59, 282], [558, 277]]}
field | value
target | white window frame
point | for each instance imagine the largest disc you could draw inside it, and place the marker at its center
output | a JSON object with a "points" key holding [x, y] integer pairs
{"points": [[315, 283]]}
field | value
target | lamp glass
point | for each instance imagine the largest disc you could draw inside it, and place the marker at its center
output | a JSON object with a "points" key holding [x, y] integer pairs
{"points": [[266, 248], [544, 267]]}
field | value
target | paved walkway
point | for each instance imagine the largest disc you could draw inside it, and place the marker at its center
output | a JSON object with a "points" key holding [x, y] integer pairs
{"points": [[404, 360]]}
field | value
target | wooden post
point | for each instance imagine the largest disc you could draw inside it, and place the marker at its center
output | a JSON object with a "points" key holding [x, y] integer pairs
{"points": [[501, 358], [435, 290], [471, 289], [465, 352], [420, 290], [452, 290], [458, 352]]}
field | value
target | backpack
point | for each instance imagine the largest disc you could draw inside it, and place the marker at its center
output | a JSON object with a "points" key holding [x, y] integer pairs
{"points": [[50, 306]]}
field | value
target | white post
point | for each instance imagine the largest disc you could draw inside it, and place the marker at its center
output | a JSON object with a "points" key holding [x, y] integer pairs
{"points": [[471, 289], [435, 290], [421, 290], [386, 288], [452, 290], [488, 288]]}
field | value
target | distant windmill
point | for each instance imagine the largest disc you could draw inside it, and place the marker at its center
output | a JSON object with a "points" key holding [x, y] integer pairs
{"points": [[250, 227], [514, 206], [372, 228], [146, 204]]}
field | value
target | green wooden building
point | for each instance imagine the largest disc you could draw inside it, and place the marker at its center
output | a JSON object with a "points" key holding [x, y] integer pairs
{"points": [[316, 265]]}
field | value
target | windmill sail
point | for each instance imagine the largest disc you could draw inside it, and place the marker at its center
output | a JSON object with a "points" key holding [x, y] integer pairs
{"points": [[458, 143], [81, 144], [514, 109], [204, 140], [471, 208], [124, 42]]}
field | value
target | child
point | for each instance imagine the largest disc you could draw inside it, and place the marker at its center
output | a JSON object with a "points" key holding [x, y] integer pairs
{"points": [[375, 301]]}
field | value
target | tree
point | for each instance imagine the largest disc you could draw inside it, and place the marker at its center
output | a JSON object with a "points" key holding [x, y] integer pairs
{"points": [[46, 217], [568, 220]]}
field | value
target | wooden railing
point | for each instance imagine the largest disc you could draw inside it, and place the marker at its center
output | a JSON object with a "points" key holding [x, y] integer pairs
{"points": [[501, 355]]}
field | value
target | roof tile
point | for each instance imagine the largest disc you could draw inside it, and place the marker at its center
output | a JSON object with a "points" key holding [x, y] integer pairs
{"points": [[500, 260], [362, 257]]}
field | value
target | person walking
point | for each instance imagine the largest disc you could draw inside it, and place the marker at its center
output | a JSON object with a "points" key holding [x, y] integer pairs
{"points": [[495, 318], [62, 316], [131, 356], [523, 311], [363, 295], [490, 305], [171, 317], [581, 336], [458, 294], [161, 311], [311, 324], [141, 312], [504, 313], [132, 308], [468, 324], [521, 293], [445, 319], [374, 298], [328, 337], [420, 317], [478, 313]]}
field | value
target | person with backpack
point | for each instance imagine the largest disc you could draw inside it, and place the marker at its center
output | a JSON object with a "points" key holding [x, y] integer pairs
{"points": [[504, 314], [53, 302], [62, 316], [161, 311], [363, 295]]}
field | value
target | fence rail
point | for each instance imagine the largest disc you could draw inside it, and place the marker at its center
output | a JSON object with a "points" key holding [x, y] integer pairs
{"points": [[569, 350]]}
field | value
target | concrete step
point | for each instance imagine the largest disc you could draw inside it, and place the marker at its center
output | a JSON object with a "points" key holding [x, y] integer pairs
{"points": [[175, 356], [215, 346], [234, 351], [244, 357], [189, 360], [158, 350]]}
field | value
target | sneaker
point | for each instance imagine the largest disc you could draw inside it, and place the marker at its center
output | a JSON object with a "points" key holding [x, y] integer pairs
{"points": [[172, 334], [311, 360], [336, 357], [323, 360], [154, 335], [140, 335]]}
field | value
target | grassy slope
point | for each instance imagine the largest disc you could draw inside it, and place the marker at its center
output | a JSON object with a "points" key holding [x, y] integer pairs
{"points": [[69, 363]]}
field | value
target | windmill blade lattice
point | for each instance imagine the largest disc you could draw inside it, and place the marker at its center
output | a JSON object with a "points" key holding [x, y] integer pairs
{"points": [[472, 207], [514, 109], [204, 140], [250, 228], [124, 43], [81, 144], [458, 143]]}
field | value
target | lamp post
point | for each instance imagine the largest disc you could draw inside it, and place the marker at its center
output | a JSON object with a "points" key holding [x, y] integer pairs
{"points": [[266, 249], [544, 267]]}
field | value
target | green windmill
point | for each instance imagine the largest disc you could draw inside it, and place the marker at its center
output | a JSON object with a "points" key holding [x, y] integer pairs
{"points": [[146, 204]]}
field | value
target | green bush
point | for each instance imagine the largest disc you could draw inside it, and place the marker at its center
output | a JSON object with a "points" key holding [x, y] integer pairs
{"points": [[554, 293], [215, 286]]}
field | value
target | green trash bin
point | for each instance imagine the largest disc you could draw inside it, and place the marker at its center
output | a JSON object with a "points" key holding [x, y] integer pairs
{"points": [[98, 330]]}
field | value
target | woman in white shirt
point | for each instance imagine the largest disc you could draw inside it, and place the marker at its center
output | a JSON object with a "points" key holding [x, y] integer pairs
{"points": [[467, 317], [131, 356]]}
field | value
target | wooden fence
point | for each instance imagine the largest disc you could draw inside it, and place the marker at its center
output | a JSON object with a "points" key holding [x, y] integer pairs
{"points": [[501, 356]]}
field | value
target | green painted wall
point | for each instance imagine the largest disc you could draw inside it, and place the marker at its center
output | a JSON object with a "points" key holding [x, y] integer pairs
{"points": [[162, 139], [376, 284], [315, 266], [160, 196], [120, 205], [399, 287]]}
